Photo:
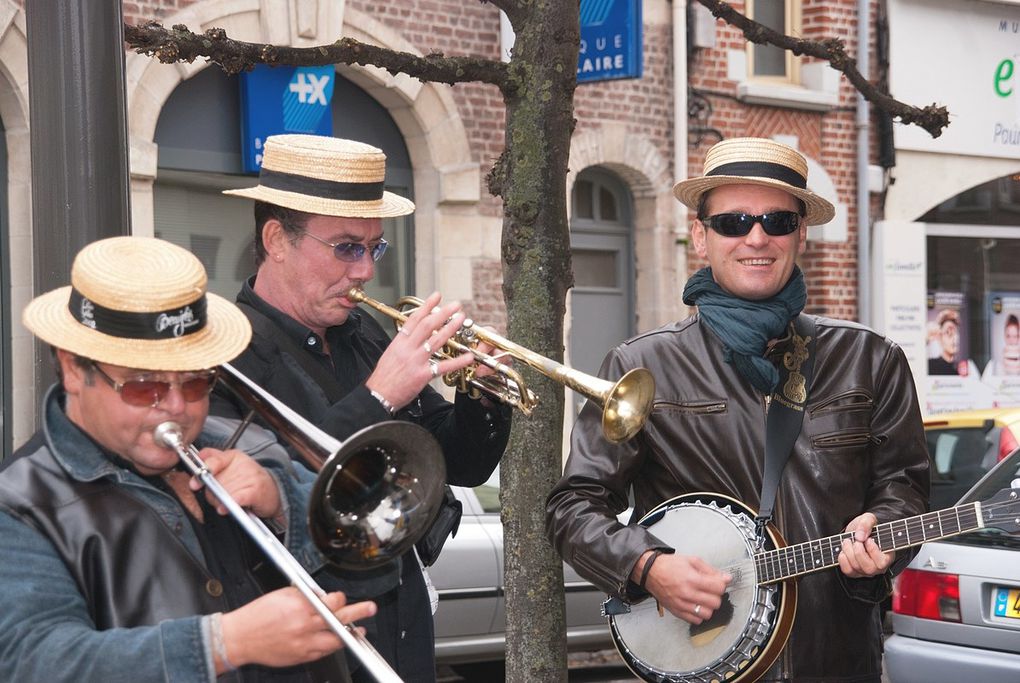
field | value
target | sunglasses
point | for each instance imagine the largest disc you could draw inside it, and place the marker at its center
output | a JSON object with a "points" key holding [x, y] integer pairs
{"points": [[352, 252], [776, 223], [147, 393]]}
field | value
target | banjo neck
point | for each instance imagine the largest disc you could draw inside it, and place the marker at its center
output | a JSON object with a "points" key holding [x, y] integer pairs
{"points": [[811, 556]]}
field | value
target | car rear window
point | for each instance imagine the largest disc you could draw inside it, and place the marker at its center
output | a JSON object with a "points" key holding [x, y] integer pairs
{"points": [[959, 457]]}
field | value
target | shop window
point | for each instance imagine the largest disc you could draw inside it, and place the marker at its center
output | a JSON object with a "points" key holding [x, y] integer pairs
{"points": [[769, 62], [977, 278], [996, 202], [973, 247]]}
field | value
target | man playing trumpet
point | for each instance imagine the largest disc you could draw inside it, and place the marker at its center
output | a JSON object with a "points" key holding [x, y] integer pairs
{"points": [[319, 210], [116, 567]]}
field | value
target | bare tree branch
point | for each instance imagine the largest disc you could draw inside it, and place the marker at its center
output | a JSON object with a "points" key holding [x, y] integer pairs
{"points": [[234, 56], [933, 118]]}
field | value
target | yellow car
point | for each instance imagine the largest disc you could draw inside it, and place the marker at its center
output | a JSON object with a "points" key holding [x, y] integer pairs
{"points": [[964, 445]]}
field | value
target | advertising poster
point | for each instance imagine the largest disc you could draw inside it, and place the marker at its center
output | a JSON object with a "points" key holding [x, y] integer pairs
{"points": [[953, 381], [1002, 374], [948, 340]]}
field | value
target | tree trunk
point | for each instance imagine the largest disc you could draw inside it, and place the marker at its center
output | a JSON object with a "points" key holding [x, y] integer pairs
{"points": [[536, 276]]}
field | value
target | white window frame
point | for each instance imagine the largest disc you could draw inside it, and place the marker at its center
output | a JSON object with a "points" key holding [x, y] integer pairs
{"points": [[791, 27]]}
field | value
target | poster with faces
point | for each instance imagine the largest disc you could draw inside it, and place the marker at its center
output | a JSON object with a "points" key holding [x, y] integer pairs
{"points": [[953, 381], [1004, 333], [1002, 374], [948, 338]]}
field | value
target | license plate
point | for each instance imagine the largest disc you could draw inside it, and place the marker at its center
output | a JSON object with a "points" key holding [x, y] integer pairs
{"points": [[1007, 602]]}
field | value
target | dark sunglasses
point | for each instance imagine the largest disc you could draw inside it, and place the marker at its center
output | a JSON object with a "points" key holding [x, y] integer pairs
{"points": [[147, 393], [776, 223], [352, 252]]}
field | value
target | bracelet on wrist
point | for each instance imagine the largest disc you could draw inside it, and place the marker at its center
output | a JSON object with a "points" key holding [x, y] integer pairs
{"points": [[387, 406], [648, 567]]}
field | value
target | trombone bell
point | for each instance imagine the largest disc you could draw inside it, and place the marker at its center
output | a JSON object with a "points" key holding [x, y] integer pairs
{"points": [[376, 493]]}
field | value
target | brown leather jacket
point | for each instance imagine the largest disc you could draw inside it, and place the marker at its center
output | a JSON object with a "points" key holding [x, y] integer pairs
{"points": [[861, 448]]}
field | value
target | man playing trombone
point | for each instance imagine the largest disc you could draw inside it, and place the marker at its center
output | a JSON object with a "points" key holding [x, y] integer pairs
{"points": [[319, 213], [116, 565]]}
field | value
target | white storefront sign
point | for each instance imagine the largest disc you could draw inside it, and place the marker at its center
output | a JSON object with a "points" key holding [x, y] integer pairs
{"points": [[965, 55]]}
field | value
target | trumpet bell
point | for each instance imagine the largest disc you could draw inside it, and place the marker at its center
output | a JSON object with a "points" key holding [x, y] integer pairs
{"points": [[377, 495], [627, 405]]}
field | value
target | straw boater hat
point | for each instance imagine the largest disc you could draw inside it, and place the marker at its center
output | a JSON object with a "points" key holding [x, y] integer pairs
{"points": [[140, 302], [326, 176], [756, 161]]}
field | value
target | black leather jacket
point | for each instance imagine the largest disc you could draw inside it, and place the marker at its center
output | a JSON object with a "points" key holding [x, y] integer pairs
{"points": [[861, 448]]}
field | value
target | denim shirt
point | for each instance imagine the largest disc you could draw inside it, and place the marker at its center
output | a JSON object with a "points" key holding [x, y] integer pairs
{"points": [[46, 632]]}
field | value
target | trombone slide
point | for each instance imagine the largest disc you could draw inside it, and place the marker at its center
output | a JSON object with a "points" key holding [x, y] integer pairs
{"points": [[169, 435]]}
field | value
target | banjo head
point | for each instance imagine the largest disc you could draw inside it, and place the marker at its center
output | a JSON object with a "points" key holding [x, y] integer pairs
{"points": [[664, 648]]}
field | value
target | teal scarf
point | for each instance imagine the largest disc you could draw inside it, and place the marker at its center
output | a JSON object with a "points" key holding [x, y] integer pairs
{"points": [[745, 327]]}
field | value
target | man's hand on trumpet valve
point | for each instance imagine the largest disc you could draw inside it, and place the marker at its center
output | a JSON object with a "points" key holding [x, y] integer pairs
{"points": [[282, 628], [408, 363], [245, 480]]}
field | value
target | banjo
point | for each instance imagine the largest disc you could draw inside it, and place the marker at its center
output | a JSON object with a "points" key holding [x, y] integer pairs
{"points": [[746, 634]]}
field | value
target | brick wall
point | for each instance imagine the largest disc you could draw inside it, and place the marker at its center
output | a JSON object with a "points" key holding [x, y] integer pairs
{"points": [[464, 27], [828, 137]]}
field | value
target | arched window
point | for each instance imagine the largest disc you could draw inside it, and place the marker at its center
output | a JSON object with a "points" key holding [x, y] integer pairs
{"points": [[199, 139]]}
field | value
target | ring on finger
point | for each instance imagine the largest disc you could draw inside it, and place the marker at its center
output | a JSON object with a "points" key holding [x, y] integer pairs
{"points": [[427, 347], [403, 331], [697, 608], [434, 367]]}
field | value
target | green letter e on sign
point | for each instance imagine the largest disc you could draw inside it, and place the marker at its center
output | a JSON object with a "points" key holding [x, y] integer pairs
{"points": [[1004, 74]]}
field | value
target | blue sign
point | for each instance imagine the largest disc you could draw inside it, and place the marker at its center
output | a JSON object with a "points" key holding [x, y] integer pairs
{"points": [[283, 100], [610, 40]]}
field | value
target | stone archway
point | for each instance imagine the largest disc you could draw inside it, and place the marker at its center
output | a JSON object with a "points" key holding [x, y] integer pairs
{"points": [[444, 172], [14, 112], [640, 164]]}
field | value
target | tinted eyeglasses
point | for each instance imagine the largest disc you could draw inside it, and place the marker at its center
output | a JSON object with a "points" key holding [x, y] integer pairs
{"points": [[776, 223], [352, 252], [147, 393]]}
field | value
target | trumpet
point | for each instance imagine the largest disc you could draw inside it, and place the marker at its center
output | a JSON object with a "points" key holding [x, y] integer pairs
{"points": [[169, 434], [625, 403]]}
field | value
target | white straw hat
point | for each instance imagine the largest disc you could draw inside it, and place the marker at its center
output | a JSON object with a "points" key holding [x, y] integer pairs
{"points": [[326, 176], [756, 161], [140, 302]]}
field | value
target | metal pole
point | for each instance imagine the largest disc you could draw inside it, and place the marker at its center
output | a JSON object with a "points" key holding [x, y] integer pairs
{"points": [[864, 312], [78, 122]]}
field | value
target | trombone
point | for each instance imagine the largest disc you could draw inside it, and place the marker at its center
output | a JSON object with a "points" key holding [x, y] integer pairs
{"points": [[376, 493], [625, 403], [169, 434]]}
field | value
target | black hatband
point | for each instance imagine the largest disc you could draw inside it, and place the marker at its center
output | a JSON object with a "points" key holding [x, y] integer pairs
{"points": [[317, 187], [169, 324], [761, 169]]}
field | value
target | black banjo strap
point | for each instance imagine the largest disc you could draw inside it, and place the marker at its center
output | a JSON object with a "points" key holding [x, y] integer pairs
{"points": [[786, 414]]}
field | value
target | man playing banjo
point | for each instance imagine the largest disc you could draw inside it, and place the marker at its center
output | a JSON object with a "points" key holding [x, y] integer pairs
{"points": [[857, 456]]}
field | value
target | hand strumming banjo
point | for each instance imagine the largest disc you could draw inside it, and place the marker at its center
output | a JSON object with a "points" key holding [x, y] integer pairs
{"points": [[746, 634]]}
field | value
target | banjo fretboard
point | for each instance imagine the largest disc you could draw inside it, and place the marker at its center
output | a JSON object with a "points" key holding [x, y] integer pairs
{"points": [[811, 556]]}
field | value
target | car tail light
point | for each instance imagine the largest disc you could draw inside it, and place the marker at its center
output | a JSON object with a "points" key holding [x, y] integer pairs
{"points": [[1007, 443], [927, 595]]}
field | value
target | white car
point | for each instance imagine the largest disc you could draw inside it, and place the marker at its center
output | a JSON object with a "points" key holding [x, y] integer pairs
{"points": [[956, 608]]}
